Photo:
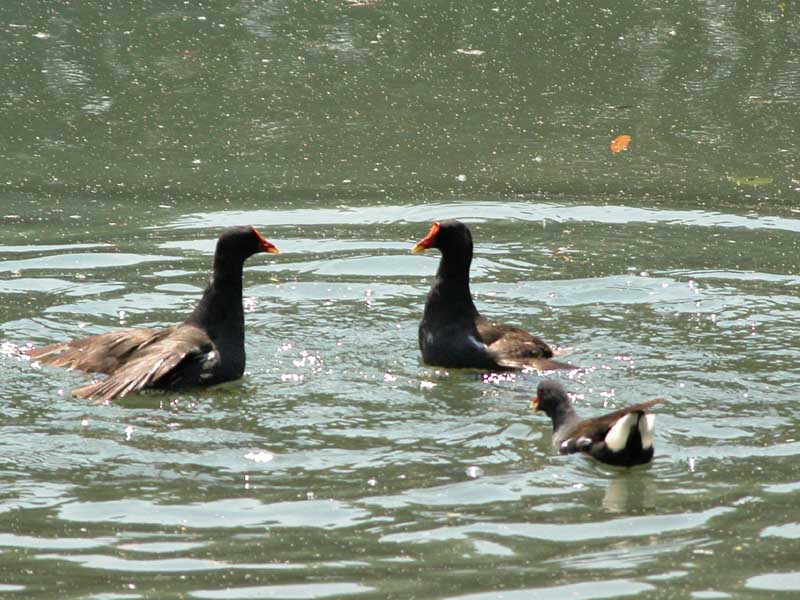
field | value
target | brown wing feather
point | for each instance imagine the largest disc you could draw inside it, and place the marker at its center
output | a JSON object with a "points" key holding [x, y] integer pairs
{"points": [[510, 340], [141, 360], [516, 348], [151, 364], [596, 429], [103, 353]]}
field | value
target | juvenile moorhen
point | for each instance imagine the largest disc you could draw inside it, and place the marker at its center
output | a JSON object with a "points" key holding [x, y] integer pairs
{"points": [[623, 438], [207, 348], [452, 333]]}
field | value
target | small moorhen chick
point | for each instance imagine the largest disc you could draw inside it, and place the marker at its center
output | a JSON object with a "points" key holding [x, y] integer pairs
{"points": [[207, 348], [452, 333], [623, 438]]}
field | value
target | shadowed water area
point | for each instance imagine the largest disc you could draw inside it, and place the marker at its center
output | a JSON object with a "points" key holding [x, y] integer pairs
{"points": [[340, 466]]}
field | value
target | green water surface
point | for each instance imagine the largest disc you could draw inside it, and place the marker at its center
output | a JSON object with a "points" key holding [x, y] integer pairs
{"points": [[340, 466]]}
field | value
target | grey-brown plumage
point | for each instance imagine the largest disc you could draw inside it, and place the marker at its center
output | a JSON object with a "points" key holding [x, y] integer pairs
{"points": [[206, 349]]}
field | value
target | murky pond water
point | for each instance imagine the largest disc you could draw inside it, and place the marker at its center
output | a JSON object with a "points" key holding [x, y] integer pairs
{"points": [[340, 465]]}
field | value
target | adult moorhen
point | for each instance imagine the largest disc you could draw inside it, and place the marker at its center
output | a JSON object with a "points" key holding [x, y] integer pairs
{"points": [[452, 333], [623, 438], [207, 348]]}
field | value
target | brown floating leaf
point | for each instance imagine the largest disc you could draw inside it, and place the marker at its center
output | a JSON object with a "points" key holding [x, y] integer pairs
{"points": [[620, 143]]}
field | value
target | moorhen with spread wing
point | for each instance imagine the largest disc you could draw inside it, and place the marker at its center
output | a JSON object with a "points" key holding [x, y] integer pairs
{"points": [[452, 333], [623, 438], [206, 349]]}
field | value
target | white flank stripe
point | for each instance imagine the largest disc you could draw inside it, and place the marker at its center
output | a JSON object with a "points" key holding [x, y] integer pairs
{"points": [[647, 427], [617, 436]]}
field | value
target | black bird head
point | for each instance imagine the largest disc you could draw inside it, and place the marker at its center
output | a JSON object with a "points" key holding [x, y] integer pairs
{"points": [[446, 235], [242, 242], [550, 398]]}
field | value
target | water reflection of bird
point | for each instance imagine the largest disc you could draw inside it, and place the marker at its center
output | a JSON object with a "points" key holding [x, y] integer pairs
{"points": [[207, 348], [452, 333], [624, 494], [622, 438]]}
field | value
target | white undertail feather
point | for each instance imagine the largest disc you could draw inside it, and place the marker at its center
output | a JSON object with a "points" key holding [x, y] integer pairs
{"points": [[617, 436], [647, 427]]}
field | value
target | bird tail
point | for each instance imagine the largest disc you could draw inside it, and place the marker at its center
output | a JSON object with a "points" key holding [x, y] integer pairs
{"points": [[540, 364], [548, 364]]}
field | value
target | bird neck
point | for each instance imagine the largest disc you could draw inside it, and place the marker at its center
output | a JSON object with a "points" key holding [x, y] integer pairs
{"points": [[563, 414], [450, 291], [219, 311], [454, 266]]}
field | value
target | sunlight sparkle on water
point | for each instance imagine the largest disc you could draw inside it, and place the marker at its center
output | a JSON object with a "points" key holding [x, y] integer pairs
{"points": [[249, 304], [473, 472], [307, 359], [259, 456], [16, 351], [494, 378]]}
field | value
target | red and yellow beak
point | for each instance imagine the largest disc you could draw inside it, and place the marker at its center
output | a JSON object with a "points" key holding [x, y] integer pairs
{"points": [[535, 403], [427, 241], [266, 245]]}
